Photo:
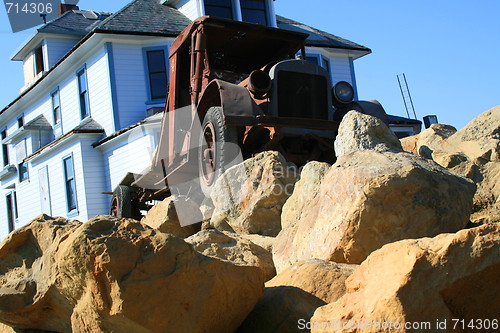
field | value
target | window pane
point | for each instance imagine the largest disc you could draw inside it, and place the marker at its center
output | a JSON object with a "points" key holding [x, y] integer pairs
{"points": [[82, 81], [71, 192], [254, 16], [158, 85], [68, 168], [84, 105], [313, 60], [253, 4], [157, 74], [56, 107], [222, 12], [156, 61], [226, 3]]}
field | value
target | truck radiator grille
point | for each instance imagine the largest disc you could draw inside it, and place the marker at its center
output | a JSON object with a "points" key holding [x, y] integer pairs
{"points": [[302, 95]]}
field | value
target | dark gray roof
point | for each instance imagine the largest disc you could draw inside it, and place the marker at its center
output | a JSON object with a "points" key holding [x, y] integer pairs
{"points": [[146, 17], [139, 16], [73, 23], [317, 37], [88, 124]]}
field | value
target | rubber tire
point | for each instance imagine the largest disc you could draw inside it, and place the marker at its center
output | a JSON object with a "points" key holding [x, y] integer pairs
{"points": [[124, 202], [224, 135]]}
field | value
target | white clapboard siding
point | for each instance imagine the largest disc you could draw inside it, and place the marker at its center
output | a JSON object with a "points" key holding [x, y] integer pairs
{"points": [[131, 153], [94, 173], [57, 48], [130, 83], [190, 8], [99, 91], [341, 69], [70, 106]]}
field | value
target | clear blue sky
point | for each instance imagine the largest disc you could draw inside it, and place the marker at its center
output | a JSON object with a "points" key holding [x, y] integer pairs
{"points": [[448, 49]]}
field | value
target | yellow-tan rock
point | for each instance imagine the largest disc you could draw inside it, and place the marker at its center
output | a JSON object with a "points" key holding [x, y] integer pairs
{"points": [[164, 217], [369, 199], [323, 279], [427, 281], [112, 275], [249, 197], [234, 248]]}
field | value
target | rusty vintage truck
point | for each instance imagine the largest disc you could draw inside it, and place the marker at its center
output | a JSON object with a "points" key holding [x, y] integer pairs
{"points": [[237, 89]]}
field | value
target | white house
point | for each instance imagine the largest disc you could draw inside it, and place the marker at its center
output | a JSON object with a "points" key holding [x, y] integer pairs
{"points": [[94, 84]]}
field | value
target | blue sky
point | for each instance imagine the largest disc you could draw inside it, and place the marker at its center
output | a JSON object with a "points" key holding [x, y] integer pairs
{"points": [[449, 50]]}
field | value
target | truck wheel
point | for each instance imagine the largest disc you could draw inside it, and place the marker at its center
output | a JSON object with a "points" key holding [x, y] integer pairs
{"points": [[217, 149], [121, 203]]}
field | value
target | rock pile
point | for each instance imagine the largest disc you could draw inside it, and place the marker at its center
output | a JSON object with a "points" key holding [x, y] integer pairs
{"points": [[473, 152], [377, 238]]}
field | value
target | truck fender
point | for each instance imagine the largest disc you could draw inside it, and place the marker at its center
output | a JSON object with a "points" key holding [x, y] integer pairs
{"points": [[235, 100]]}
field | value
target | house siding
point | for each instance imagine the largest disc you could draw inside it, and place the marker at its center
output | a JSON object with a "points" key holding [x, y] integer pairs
{"points": [[99, 91], [191, 9], [57, 48], [130, 83], [139, 143]]}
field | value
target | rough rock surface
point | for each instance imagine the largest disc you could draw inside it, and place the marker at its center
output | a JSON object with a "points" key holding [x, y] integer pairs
{"points": [[304, 193], [358, 131], [368, 199], [280, 310], [323, 279], [111, 275], [423, 280], [249, 197], [163, 216], [473, 152], [295, 294], [234, 248]]}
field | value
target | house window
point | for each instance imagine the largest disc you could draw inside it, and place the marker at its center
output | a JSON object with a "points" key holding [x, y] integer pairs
{"points": [[219, 8], [12, 214], [70, 184], [5, 150], [83, 93], [38, 61], [20, 122], [320, 60], [157, 70], [56, 107], [254, 11], [23, 172]]}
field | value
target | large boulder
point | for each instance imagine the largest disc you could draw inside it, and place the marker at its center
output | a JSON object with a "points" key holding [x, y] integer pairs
{"points": [[359, 131], [323, 279], [234, 248], [434, 283], [473, 152], [111, 275], [305, 192], [368, 199], [164, 217], [291, 297], [281, 310], [249, 197]]}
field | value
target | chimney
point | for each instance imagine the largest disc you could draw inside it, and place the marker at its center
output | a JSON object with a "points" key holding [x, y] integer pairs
{"points": [[64, 7]]}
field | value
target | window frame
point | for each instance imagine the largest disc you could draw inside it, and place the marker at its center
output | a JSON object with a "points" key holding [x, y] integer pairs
{"points": [[12, 210], [38, 60], [145, 51], [265, 11], [320, 62], [71, 211], [23, 176], [57, 124], [5, 148], [234, 9], [84, 109]]}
